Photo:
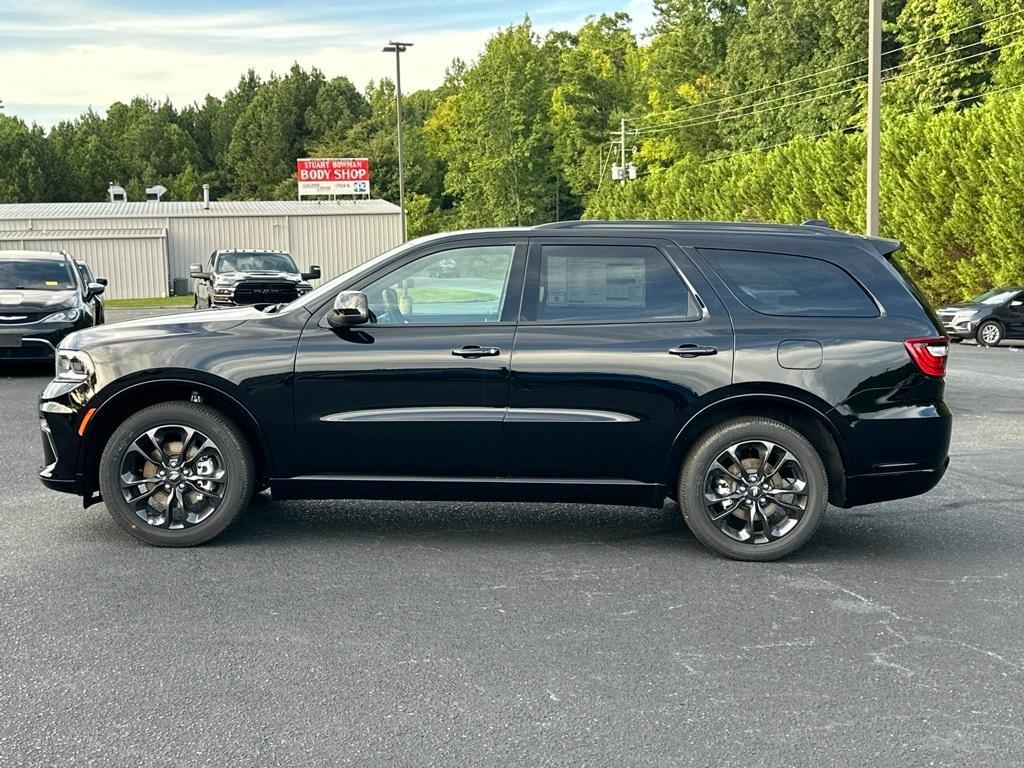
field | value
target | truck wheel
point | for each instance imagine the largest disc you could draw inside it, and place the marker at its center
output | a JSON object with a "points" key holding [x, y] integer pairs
{"points": [[990, 333], [753, 489], [176, 474]]}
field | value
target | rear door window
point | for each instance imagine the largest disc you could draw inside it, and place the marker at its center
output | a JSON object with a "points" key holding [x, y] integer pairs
{"points": [[791, 286], [607, 283]]}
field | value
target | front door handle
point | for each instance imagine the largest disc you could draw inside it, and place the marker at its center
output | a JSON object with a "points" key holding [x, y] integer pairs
{"points": [[693, 350], [471, 352]]}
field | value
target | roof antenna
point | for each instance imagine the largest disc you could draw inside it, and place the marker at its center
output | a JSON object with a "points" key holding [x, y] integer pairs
{"points": [[816, 223]]}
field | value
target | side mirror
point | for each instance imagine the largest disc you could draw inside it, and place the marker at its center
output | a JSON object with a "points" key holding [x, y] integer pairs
{"points": [[196, 271], [350, 308], [102, 280], [97, 288], [313, 274]]}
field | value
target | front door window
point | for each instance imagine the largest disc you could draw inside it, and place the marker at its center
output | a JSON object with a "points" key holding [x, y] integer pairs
{"points": [[464, 286]]}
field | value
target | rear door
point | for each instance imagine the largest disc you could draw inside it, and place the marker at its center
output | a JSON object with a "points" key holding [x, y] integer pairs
{"points": [[612, 350]]}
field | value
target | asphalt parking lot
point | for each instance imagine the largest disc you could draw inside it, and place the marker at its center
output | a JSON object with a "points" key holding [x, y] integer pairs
{"points": [[383, 633]]}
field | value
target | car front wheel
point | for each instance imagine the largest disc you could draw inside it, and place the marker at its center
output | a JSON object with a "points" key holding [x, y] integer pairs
{"points": [[176, 474], [753, 489], [990, 333]]}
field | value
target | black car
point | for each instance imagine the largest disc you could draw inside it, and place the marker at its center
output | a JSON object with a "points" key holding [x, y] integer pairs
{"points": [[98, 310], [752, 372], [43, 298], [990, 318], [239, 277]]}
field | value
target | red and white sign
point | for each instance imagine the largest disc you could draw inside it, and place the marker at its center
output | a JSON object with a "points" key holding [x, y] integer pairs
{"points": [[333, 176]]}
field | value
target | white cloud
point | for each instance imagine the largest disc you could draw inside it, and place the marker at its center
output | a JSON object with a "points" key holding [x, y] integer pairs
{"points": [[103, 74]]}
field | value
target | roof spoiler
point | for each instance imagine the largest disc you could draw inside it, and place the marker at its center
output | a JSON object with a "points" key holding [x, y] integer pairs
{"points": [[884, 246]]}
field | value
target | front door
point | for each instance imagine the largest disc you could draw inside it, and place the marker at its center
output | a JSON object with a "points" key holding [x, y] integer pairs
{"points": [[422, 389], [1015, 317], [612, 350]]}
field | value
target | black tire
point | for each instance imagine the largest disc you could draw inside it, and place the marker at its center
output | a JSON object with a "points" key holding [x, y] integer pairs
{"points": [[702, 457], [991, 329], [955, 339], [238, 465]]}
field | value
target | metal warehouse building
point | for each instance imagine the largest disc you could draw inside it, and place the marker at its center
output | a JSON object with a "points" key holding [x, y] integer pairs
{"points": [[143, 247]]}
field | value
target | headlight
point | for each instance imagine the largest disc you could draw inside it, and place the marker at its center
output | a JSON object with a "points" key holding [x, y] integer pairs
{"points": [[963, 317], [64, 316], [74, 365]]}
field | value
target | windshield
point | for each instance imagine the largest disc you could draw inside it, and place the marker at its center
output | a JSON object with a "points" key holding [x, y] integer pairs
{"points": [[255, 262], [36, 275], [995, 296]]}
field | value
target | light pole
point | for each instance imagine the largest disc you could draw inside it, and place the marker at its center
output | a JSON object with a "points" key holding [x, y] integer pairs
{"points": [[398, 49], [874, 113]]}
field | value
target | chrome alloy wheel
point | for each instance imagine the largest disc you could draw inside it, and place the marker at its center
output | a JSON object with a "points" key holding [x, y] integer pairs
{"points": [[755, 492], [990, 333], [173, 476]]}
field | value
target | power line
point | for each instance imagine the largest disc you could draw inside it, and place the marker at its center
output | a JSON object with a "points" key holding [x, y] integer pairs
{"points": [[688, 107], [725, 116], [847, 128], [842, 82]]}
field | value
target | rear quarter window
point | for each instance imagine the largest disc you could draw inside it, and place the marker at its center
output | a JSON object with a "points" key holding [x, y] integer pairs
{"points": [[790, 286]]}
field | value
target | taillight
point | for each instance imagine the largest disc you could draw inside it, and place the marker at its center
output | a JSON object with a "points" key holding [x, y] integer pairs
{"points": [[929, 354]]}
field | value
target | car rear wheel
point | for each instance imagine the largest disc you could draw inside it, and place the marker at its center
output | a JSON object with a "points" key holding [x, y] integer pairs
{"points": [[990, 333], [176, 474], [753, 489]]}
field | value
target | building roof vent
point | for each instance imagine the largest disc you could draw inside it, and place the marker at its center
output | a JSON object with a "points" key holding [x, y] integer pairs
{"points": [[153, 194], [117, 193]]}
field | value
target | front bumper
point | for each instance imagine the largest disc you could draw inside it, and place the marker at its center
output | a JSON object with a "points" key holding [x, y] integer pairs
{"points": [[33, 342], [964, 329], [60, 415]]}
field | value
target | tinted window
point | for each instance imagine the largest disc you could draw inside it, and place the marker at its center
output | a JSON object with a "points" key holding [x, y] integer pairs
{"points": [[780, 284], [459, 285], [596, 283]]}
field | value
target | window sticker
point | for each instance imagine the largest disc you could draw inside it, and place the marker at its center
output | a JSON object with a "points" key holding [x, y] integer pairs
{"points": [[596, 280]]}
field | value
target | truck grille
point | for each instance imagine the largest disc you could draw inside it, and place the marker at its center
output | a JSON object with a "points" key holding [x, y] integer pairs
{"points": [[264, 293]]}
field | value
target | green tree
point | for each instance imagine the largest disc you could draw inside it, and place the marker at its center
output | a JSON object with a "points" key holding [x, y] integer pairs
{"points": [[494, 134]]}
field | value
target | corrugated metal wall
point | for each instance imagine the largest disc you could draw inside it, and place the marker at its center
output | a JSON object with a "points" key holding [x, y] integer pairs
{"points": [[135, 266], [337, 242]]}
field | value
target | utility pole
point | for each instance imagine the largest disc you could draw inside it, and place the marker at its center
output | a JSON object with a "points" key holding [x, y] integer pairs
{"points": [[874, 113], [622, 147], [398, 49]]}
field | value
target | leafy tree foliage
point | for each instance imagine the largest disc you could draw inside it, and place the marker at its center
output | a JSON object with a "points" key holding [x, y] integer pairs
{"points": [[733, 109]]}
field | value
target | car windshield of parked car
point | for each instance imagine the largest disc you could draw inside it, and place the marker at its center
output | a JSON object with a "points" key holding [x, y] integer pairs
{"points": [[994, 296], [255, 262], [35, 275]]}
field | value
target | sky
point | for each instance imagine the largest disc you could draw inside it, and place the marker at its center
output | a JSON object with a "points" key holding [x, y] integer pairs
{"points": [[57, 59]]}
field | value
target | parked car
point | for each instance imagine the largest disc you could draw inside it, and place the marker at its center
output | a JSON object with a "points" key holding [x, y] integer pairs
{"points": [[43, 298], [236, 277], [88, 278], [990, 318], [752, 372]]}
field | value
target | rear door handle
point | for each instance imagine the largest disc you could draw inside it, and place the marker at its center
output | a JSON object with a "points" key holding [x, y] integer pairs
{"points": [[693, 350], [474, 351]]}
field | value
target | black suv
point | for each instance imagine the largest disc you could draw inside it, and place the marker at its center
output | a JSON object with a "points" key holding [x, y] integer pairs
{"points": [[753, 372], [989, 318], [237, 277], [44, 296]]}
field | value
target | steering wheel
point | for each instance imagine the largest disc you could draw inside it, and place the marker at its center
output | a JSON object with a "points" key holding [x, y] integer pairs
{"points": [[390, 296]]}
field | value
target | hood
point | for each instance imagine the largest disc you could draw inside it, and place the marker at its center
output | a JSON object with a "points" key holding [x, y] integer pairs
{"points": [[35, 301], [161, 327], [961, 307]]}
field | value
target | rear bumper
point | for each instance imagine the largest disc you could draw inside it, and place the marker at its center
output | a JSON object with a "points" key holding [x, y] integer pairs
{"points": [[886, 486], [896, 452]]}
